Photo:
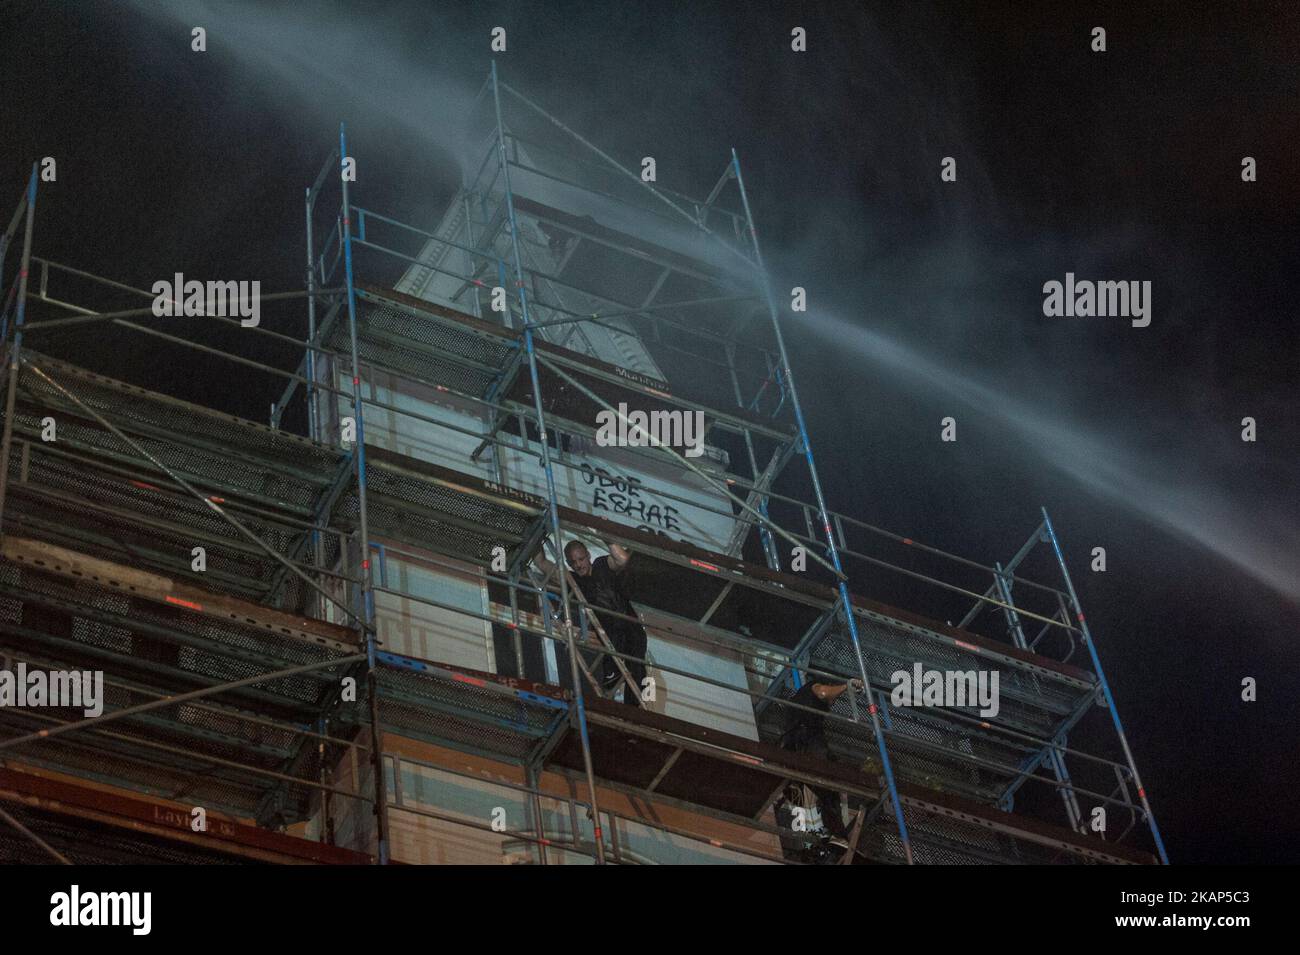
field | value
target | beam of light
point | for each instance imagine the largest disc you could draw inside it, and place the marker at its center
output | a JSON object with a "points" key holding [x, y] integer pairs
{"points": [[335, 70], [330, 66], [1201, 514]]}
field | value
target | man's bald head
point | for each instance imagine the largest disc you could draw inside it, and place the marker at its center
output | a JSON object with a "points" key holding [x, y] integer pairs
{"points": [[578, 557]]}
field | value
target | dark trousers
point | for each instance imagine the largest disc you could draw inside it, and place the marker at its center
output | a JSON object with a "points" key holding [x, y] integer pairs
{"points": [[630, 640], [828, 800]]}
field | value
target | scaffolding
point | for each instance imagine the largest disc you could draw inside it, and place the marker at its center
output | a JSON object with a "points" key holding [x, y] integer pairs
{"points": [[260, 687]]}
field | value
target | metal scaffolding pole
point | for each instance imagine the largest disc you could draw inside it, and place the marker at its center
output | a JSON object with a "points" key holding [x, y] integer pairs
{"points": [[846, 601], [14, 356], [1054, 758], [309, 355], [363, 528], [45, 846], [765, 536], [539, 818], [1105, 688], [552, 502], [185, 485], [96, 722]]}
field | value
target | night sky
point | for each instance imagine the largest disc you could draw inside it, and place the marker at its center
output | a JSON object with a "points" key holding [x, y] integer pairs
{"points": [[1117, 165]]}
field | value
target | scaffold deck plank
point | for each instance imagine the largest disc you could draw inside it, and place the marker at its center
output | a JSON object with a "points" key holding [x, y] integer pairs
{"points": [[158, 818], [160, 589]]}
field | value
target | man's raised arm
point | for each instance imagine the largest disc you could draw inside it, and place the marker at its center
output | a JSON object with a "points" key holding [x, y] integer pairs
{"points": [[545, 566], [618, 556]]}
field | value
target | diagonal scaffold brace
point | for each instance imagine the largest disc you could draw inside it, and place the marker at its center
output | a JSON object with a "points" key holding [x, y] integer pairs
{"points": [[846, 602]]}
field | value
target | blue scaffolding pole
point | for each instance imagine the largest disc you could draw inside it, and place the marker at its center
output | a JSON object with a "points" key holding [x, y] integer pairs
{"points": [[1105, 689], [846, 603], [363, 529], [20, 314], [1054, 757], [552, 502]]}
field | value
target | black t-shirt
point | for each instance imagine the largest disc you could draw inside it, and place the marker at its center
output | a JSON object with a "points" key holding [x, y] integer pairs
{"points": [[605, 588], [802, 727]]}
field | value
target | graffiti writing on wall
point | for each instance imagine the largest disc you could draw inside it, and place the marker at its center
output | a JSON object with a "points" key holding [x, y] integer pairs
{"points": [[627, 497]]}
